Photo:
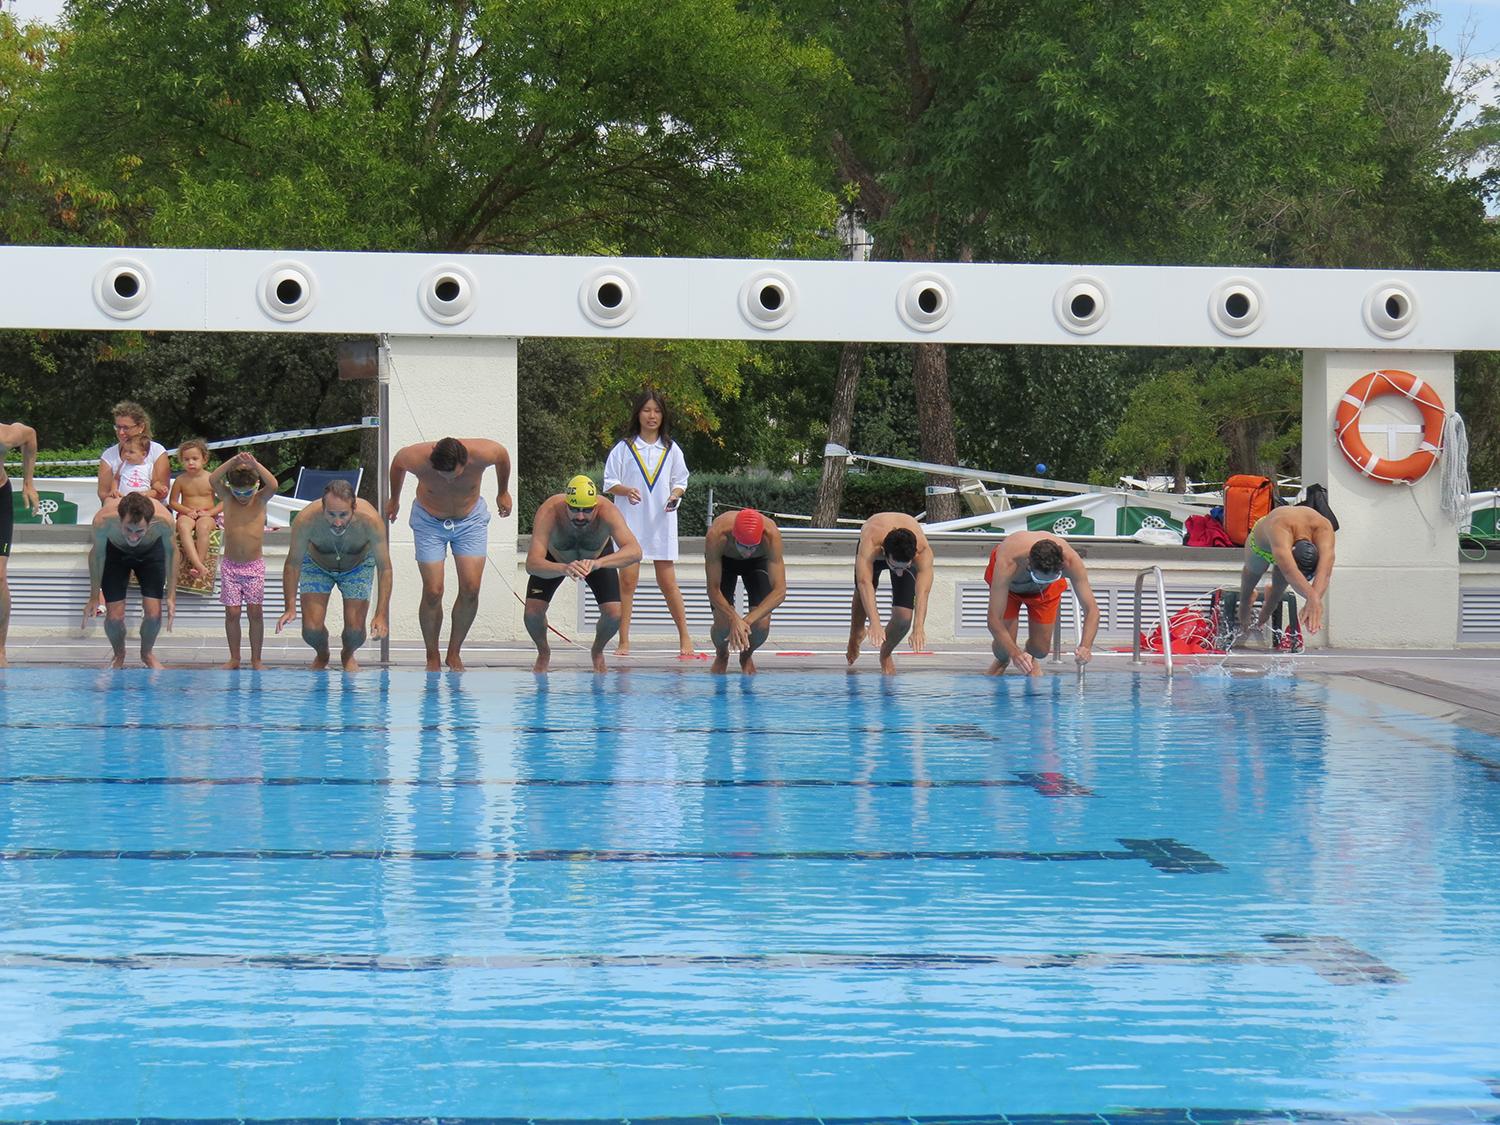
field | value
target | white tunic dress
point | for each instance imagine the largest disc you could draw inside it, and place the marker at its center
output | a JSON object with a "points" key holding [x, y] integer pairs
{"points": [[656, 470]]}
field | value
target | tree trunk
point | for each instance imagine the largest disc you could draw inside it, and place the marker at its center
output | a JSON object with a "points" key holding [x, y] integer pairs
{"points": [[935, 424], [841, 430]]}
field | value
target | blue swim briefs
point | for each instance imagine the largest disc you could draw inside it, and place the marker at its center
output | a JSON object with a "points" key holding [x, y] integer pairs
{"points": [[469, 536]]}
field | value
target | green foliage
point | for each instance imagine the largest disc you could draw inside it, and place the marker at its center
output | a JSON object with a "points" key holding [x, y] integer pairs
{"points": [[214, 386], [1167, 428], [535, 125]]}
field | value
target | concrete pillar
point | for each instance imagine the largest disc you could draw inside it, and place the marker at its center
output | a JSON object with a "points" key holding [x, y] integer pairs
{"points": [[449, 386], [1395, 583]]}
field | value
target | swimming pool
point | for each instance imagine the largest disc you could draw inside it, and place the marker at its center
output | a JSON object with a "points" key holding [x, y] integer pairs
{"points": [[806, 896]]}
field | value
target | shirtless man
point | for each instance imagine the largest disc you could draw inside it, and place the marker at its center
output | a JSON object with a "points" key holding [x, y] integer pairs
{"points": [[13, 436], [338, 541], [137, 535], [450, 511], [891, 541], [1033, 568], [1296, 544], [570, 538], [746, 546]]}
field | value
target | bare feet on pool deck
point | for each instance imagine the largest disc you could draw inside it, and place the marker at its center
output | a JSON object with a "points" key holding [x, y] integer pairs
{"points": [[888, 664], [320, 661], [349, 663], [150, 661], [598, 657], [434, 664], [995, 669], [455, 663], [257, 665], [116, 661], [721, 662], [543, 659], [230, 666], [747, 663], [851, 654], [622, 650]]}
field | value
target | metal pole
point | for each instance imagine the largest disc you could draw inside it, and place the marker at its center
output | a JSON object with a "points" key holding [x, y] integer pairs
{"points": [[382, 470]]}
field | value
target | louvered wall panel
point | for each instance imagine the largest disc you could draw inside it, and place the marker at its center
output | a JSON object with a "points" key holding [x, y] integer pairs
{"points": [[53, 598], [810, 607], [1116, 607], [1479, 615]]}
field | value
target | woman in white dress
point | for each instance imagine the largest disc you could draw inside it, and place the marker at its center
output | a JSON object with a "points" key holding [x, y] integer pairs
{"points": [[131, 420], [647, 475]]}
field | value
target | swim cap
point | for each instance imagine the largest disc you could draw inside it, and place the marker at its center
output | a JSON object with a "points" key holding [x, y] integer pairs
{"points": [[749, 526], [1305, 554], [581, 492]]}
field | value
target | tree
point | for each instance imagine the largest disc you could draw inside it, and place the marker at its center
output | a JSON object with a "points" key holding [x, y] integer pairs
{"points": [[530, 126], [1128, 130], [1167, 428]]}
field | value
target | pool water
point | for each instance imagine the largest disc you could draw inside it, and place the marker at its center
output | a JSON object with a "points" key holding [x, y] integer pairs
{"points": [[804, 896]]}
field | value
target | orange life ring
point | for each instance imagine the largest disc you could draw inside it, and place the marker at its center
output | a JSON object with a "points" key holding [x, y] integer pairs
{"points": [[1346, 426]]}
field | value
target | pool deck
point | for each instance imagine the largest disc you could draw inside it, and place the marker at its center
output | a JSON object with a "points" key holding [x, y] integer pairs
{"points": [[1461, 683]]}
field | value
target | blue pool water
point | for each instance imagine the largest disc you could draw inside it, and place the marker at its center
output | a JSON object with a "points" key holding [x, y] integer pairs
{"points": [[806, 896]]}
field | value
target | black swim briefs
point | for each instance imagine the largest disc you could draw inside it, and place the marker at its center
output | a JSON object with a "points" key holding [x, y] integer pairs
{"points": [[605, 582], [754, 572], [7, 518], [148, 565], [903, 586]]}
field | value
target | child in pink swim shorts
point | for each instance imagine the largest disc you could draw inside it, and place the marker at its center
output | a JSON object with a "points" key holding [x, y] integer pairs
{"points": [[245, 487]]}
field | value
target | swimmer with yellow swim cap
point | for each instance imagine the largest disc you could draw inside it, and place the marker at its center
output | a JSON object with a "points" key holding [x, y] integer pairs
{"points": [[570, 538], [742, 546]]}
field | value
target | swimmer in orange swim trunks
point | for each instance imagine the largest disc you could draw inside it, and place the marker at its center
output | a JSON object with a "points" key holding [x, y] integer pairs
{"points": [[1032, 568]]}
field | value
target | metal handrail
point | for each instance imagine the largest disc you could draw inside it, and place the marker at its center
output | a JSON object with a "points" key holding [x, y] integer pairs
{"points": [[1057, 627], [1161, 601]]}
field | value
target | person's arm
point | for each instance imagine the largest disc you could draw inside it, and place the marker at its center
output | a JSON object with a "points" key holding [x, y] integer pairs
{"points": [[1079, 579], [97, 548], [1281, 551], [167, 532], [399, 466], [24, 438], [1323, 540], [380, 624], [776, 571], [864, 587], [106, 484], [291, 573], [269, 484], [216, 479], [713, 573], [924, 588], [537, 562], [616, 465], [174, 500], [679, 478], [1004, 646], [503, 502], [627, 547], [161, 477]]}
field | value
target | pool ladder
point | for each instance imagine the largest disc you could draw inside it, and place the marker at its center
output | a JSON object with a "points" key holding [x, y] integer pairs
{"points": [[1161, 602]]}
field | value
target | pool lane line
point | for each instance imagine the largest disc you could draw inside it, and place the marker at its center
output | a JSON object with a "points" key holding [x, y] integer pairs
{"points": [[952, 730], [1162, 854], [1332, 958], [1048, 784]]}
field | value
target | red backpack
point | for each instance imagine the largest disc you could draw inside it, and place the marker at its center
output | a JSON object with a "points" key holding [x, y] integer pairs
{"points": [[1246, 499]]}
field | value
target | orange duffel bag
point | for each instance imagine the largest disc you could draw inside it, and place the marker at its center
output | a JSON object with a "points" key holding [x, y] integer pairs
{"points": [[1246, 499]]}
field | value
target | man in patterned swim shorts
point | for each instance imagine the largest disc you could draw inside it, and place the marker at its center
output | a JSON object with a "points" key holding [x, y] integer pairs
{"points": [[244, 486], [337, 542]]}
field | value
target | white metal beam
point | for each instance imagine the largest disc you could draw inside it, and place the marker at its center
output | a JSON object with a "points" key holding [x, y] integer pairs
{"points": [[675, 298]]}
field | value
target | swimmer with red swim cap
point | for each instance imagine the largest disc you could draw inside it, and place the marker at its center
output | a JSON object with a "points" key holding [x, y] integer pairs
{"points": [[742, 546]]}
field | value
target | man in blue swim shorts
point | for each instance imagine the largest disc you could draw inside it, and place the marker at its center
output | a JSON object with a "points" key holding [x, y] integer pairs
{"points": [[450, 513], [338, 542]]}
